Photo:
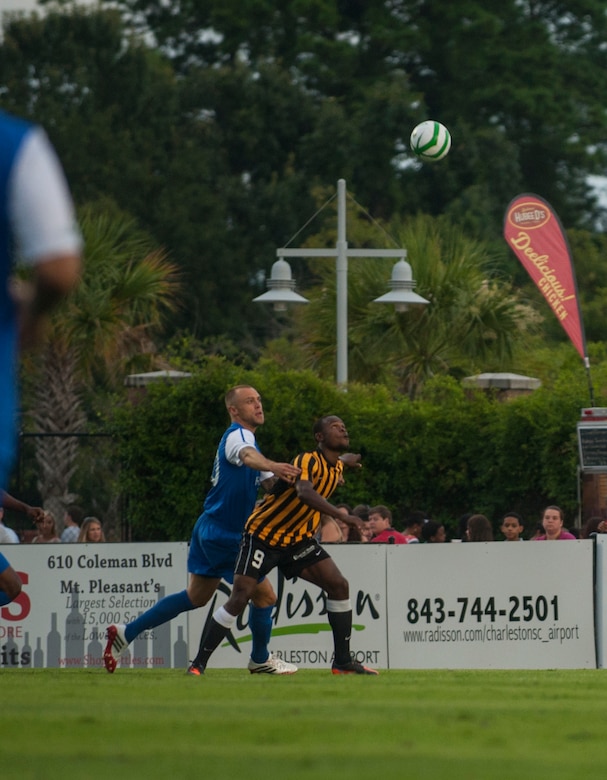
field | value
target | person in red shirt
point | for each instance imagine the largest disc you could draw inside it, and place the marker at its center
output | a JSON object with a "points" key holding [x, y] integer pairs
{"points": [[553, 521], [380, 522]]}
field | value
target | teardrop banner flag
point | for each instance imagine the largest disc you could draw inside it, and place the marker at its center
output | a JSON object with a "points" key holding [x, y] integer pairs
{"points": [[535, 235]]}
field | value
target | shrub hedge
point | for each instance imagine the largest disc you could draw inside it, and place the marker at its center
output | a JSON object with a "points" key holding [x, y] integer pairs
{"points": [[447, 453]]}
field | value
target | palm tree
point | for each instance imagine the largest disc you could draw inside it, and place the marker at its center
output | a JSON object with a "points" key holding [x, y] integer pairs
{"points": [[109, 322], [474, 317]]}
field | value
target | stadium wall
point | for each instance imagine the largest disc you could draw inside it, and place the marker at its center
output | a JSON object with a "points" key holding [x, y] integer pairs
{"points": [[453, 606]]}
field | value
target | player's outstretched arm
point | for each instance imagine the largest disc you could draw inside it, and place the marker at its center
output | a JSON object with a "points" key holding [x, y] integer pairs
{"points": [[309, 496], [351, 459], [10, 502], [255, 460]]}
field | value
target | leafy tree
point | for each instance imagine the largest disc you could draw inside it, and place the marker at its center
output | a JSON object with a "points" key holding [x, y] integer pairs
{"points": [[107, 325], [166, 446], [223, 120], [474, 318], [447, 453], [491, 69], [125, 132], [108, 104], [519, 83]]}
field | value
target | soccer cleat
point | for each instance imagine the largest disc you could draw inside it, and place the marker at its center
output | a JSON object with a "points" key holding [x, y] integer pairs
{"points": [[353, 667], [273, 665], [116, 643], [195, 670]]}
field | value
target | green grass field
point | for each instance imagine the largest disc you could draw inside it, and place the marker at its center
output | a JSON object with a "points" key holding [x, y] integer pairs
{"points": [[230, 724]]}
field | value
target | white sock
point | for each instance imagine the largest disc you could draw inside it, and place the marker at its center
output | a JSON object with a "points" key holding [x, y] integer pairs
{"points": [[339, 606], [223, 617]]}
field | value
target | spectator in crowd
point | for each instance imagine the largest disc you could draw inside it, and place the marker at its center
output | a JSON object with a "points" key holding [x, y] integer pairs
{"points": [[362, 511], [433, 532], [479, 529], [330, 530], [413, 526], [72, 519], [334, 529], [553, 521], [345, 508], [7, 535], [593, 526], [47, 530], [349, 533], [91, 531], [365, 531], [512, 527], [462, 526], [539, 531], [380, 521]]}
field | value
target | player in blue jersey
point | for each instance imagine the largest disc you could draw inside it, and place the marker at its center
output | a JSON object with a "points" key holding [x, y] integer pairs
{"points": [[37, 229], [10, 582], [281, 533], [238, 471]]}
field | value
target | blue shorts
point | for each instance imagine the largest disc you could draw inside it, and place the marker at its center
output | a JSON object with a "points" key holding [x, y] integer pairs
{"points": [[4, 564], [213, 550]]}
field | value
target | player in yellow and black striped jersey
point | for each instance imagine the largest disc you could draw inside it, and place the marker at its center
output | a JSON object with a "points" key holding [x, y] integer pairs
{"points": [[282, 519], [280, 533]]}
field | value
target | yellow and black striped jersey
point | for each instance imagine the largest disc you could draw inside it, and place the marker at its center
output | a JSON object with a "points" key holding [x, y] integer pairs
{"points": [[282, 519]]}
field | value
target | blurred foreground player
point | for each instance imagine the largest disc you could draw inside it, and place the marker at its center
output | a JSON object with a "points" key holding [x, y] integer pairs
{"points": [[38, 228]]}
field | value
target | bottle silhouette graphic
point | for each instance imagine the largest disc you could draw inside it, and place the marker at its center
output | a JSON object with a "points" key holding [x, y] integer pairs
{"points": [[38, 655], [74, 636], [26, 652], [53, 644], [94, 652], [161, 644], [9, 653], [180, 650], [140, 650]]}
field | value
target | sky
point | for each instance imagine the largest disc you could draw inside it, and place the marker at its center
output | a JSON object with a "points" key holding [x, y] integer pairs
{"points": [[25, 5], [18, 5]]}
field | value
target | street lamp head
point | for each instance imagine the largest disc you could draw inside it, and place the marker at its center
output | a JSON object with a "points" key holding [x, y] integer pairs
{"points": [[401, 289], [281, 287]]}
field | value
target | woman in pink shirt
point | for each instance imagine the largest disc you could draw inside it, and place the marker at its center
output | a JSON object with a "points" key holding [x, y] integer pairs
{"points": [[553, 520]]}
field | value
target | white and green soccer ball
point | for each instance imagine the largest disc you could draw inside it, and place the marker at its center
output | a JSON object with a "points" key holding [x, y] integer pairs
{"points": [[430, 140]]}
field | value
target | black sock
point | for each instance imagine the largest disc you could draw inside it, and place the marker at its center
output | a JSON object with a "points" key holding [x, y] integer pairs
{"points": [[341, 624], [209, 641]]}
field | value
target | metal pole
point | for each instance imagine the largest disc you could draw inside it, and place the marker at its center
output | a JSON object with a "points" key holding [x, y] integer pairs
{"points": [[589, 378], [341, 267]]}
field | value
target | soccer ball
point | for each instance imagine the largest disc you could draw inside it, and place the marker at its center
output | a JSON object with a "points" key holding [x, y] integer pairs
{"points": [[430, 140]]}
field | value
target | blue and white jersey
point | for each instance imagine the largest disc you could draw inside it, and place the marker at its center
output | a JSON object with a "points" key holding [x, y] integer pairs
{"points": [[232, 496], [36, 223]]}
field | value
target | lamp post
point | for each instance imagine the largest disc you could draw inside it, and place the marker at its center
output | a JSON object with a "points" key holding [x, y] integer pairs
{"points": [[282, 287]]}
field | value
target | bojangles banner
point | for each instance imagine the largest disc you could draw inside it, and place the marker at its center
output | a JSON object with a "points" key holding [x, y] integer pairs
{"points": [[535, 235]]}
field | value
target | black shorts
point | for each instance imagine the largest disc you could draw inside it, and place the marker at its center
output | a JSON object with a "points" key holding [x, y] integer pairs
{"points": [[256, 559]]}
